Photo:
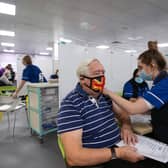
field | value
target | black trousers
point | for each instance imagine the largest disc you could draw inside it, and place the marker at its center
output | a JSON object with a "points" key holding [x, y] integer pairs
{"points": [[117, 163], [147, 163]]}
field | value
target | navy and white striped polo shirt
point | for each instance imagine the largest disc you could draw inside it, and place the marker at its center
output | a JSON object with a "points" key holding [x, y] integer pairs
{"points": [[95, 118], [158, 95]]}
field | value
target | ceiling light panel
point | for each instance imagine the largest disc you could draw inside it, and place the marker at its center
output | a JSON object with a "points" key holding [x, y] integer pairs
{"points": [[7, 33], [135, 38], [8, 9], [49, 48], [65, 40], [130, 51], [7, 44], [102, 47], [9, 51], [44, 53], [162, 45]]}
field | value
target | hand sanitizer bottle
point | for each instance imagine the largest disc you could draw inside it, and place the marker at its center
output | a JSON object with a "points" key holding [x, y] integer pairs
{"points": [[41, 78]]}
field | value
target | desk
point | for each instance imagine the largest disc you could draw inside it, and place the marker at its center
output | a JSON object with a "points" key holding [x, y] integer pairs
{"points": [[141, 123], [142, 128]]}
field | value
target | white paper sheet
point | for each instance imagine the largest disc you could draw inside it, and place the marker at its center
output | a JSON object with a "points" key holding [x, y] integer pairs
{"points": [[140, 118], [150, 148]]}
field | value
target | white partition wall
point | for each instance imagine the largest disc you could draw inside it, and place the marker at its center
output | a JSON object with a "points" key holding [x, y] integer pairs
{"points": [[45, 63], [70, 57], [123, 65], [6, 59], [118, 67]]}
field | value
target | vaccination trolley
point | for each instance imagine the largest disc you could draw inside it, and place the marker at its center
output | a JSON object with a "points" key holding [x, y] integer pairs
{"points": [[43, 107]]}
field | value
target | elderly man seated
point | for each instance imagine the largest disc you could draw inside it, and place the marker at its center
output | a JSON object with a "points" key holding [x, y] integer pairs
{"points": [[87, 125]]}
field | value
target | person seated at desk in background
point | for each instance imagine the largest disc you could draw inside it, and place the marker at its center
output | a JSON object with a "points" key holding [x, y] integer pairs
{"points": [[3, 78], [31, 73], [55, 76], [11, 74], [135, 87], [152, 66], [87, 126]]}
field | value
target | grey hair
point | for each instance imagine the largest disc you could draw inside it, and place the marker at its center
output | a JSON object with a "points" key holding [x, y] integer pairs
{"points": [[83, 68]]}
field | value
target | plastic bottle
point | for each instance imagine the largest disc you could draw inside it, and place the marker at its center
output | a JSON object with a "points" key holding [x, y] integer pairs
{"points": [[41, 78]]}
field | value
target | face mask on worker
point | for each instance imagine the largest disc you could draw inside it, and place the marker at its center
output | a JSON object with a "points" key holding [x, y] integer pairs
{"points": [[96, 83], [138, 80], [145, 76]]}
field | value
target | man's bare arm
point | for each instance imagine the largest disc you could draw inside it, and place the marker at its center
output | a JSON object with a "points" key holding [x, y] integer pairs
{"points": [[77, 155]]}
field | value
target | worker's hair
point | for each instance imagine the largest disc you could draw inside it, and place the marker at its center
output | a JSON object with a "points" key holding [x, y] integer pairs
{"points": [[135, 72], [155, 56], [27, 60], [152, 45], [83, 68]]}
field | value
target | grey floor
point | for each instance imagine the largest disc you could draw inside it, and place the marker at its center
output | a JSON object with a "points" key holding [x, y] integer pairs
{"points": [[24, 150]]}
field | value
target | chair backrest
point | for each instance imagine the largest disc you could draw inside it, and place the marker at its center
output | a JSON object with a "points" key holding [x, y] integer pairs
{"points": [[14, 104], [61, 147]]}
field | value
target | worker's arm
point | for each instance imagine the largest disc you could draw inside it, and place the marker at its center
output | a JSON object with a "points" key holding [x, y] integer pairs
{"points": [[137, 107], [77, 155], [22, 83]]}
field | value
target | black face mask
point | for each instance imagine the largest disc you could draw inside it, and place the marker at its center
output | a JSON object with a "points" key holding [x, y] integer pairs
{"points": [[96, 83]]}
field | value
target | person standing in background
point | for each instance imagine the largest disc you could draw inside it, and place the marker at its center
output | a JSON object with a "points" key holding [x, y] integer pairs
{"points": [[31, 74]]}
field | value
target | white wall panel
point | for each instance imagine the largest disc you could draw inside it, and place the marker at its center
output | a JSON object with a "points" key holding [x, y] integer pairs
{"points": [[118, 67]]}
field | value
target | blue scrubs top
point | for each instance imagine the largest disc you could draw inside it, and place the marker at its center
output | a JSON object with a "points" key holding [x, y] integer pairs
{"points": [[128, 90], [158, 95], [31, 74]]}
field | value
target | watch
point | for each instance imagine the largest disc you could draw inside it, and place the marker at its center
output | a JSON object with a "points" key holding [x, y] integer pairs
{"points": [[113, 153]]}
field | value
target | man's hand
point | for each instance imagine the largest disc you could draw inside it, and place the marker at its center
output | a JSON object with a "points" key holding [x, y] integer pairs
{"points": [[128, 136], [128, 153]]}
